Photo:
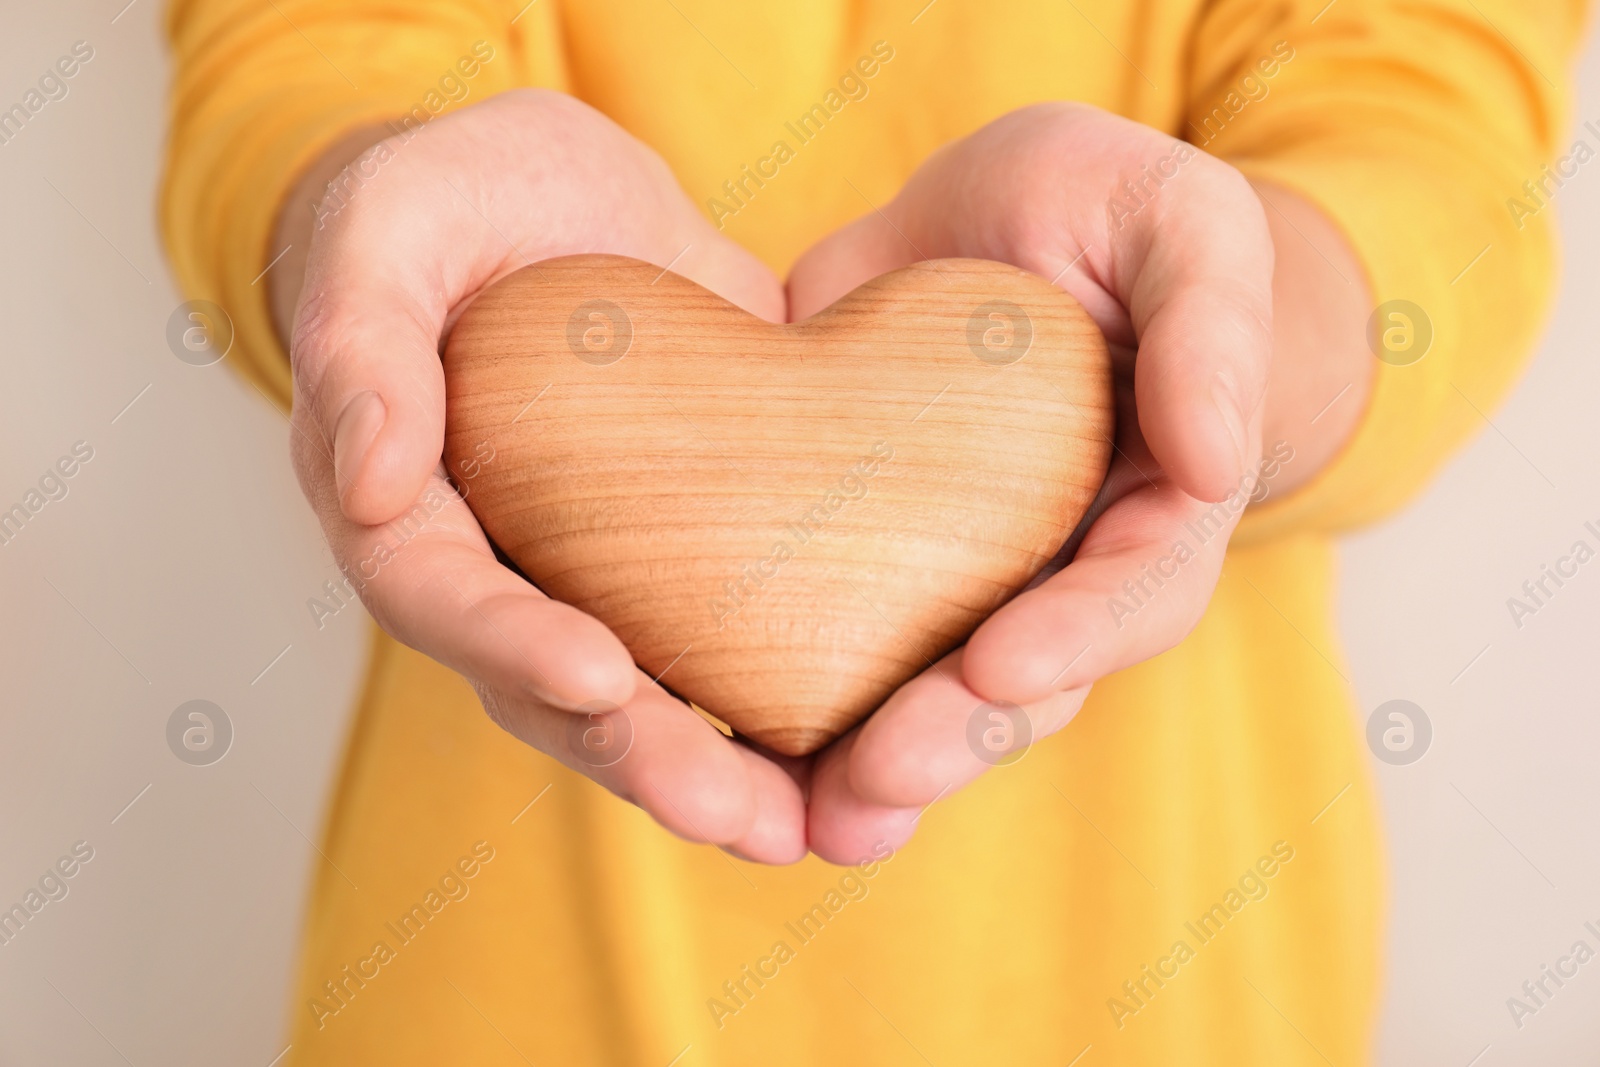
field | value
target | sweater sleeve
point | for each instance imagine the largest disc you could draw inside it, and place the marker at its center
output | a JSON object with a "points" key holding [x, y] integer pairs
{"points": [[262, 87], [1422, 129]]}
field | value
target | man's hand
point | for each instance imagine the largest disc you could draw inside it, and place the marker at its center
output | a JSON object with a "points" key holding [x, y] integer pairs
{"points": [[1172, 252], [525, 176], [1184, 273]]}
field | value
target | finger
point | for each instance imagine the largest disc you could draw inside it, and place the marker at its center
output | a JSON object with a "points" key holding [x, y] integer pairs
{"points": [[935, 735], [1139, 583], [472, 614], [845, 259], [778, 833], [1201, 304], [657, 753], [841, 827], [430, 579]]}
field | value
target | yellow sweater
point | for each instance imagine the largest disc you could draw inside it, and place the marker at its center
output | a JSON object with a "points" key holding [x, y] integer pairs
{"points": [[1190, 873]]}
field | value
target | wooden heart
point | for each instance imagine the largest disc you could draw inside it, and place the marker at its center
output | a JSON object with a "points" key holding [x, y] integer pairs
{"points": [[782, 522]]}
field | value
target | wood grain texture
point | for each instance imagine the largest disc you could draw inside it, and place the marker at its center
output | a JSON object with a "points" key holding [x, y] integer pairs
{"points": [[790, 521]]}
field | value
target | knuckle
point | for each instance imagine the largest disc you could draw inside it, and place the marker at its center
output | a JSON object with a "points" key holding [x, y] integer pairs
{"points": [[311, 341], [1223, 196], [308, 454]]}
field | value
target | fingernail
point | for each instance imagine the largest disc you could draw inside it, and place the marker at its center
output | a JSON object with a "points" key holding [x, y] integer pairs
{"points": [[1227, 405], [358, 427]]}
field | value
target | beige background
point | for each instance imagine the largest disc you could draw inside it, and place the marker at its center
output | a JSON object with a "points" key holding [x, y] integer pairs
{"points": [[179, 564]]}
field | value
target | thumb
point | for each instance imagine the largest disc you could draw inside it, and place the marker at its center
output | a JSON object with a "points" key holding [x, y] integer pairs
{"points": [[368, 380], [845, 259]]}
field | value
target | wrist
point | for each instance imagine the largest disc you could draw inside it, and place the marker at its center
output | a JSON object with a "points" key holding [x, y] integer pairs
{"points": [[1322, 371]]}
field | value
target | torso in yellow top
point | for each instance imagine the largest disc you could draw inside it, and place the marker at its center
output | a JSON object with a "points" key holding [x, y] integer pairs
{"points": [[1005, 933], [785, 119], [1189, 873]]}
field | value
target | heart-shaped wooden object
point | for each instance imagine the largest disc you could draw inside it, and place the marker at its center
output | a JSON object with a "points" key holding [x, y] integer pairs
{"points": [[787, 522]]}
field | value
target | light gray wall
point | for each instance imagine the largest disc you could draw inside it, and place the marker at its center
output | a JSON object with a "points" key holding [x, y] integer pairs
{"points": [[176, 568], [178, 565], [1495, 834]]}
